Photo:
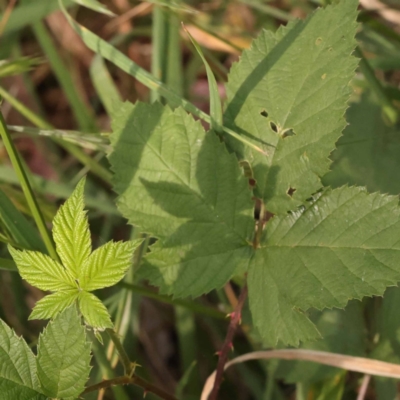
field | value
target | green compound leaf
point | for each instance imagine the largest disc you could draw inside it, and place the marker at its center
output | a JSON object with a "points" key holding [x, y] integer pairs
{"points": [[17, 368], [179, 184], [345, 245], [63, 361], [108, 264], [51, 305], [94, 311], [41, 271], [71, 232], [288, 95], [81, 271]]}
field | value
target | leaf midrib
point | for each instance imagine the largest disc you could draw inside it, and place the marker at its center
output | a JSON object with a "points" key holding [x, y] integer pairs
{"points": [[213, 211]]}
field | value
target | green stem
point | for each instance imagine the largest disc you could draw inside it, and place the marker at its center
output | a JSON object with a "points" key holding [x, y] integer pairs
{"points": [[78, 106], [130, 377], [192, 306], [129, 367], [26, 188], [80, 155], [134, 380]]}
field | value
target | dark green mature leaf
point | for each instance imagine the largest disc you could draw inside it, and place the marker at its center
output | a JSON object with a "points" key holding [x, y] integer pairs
{"points": [[368, 153], [179, 184], [343, 332], [18, 378], [63, 361], [288, 95], [345, 245]]}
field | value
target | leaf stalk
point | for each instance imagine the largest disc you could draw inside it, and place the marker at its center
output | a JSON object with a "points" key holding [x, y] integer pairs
{"points": [[134, 380]]}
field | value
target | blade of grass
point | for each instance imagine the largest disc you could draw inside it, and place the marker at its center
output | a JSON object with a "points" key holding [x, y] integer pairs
{"points": [[26, 188], [159, 45], [79, 108], [183, 382], [174, 72], [215, 101], [84, 158], [95, 6], [186, 330], [19, 227], [268, 10], [8, 265], [89, 141], [110, 53], [103, 83], [18, 65], [31, 12], [100, 202], [6, 15], [376, 86]]}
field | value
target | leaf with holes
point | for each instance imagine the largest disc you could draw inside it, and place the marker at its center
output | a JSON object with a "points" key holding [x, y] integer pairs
{"points": [[80, 271], [179, 184], [288, 95]]}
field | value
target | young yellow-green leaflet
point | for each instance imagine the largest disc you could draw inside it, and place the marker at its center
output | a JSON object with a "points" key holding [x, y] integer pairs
{"points": [[80, 270]]}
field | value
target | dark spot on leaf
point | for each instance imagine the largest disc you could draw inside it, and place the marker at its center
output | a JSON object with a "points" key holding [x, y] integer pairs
{"points": [[264, 114], [291, 191], [273, 126], [268, 216], [288, 132], [252, 182]]}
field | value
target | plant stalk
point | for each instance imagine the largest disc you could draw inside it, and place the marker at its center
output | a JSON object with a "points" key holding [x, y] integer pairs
{"points": [[124, 358], [26, 188], [236, 317], [134, 380]]}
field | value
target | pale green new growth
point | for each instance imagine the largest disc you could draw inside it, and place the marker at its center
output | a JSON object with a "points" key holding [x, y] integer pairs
{"points": [[93, 310], [178, 183], [71, 232], [81, 271], [18, 378], [52, 304], [63, 361]]}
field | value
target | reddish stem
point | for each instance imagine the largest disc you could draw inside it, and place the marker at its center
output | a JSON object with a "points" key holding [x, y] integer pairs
{"points": [[227, 346]]}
